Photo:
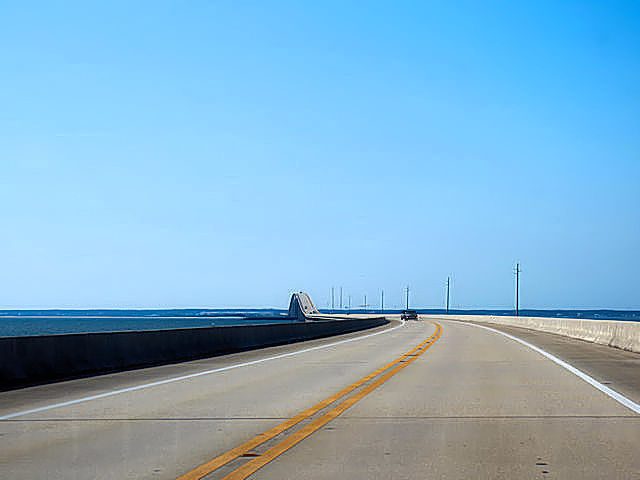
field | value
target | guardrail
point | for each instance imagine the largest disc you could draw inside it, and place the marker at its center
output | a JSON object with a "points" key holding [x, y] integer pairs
{"points": [[623, 335], [43, 358]]}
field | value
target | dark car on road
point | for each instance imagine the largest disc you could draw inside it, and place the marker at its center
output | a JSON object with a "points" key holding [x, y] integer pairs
{"points": [[409, 315]]}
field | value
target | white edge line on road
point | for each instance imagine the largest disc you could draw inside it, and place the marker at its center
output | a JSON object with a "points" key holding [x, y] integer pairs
{"points": [[191, 375], [590, 380]]}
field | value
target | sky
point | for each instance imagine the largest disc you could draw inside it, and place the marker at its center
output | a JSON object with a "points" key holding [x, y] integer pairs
{"points": [[224, 153]]}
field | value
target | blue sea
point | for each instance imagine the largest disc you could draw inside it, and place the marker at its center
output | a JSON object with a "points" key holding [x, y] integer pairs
{"points": [[50, 322], [14, 323]]}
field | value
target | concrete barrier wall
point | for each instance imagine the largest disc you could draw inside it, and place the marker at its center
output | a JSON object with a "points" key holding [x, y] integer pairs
{"points": [[34, 359], [623, 335]]}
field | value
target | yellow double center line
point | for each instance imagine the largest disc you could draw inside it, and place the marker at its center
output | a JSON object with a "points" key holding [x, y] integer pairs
{"points": [[250, 467]]}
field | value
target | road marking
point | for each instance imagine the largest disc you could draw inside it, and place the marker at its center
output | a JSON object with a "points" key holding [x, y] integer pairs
{"points": [[579, 373], [252, 466], [191, 375]]}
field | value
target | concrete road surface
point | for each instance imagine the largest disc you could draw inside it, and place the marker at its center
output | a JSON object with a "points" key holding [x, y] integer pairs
{"points": [[470, 403]]}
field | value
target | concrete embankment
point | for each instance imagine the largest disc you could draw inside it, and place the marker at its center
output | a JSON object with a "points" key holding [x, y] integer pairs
{"points": [[34, 359], [623, 335]]}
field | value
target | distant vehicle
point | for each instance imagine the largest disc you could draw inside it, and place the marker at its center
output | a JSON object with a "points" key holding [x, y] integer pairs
{"points": [[409, 315]]}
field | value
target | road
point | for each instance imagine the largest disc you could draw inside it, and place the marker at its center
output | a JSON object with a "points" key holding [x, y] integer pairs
{"points": [[405, 401]]}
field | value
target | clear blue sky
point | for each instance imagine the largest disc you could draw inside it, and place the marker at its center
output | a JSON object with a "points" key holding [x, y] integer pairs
{"points": [[212, 153]]}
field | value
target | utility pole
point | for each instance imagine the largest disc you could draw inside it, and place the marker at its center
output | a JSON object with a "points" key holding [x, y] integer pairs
{"points": [[365, 303], [349, 302], [332, 302], [517, 272], [382, 302], [407, 290], [448, 285], [341, 304]]}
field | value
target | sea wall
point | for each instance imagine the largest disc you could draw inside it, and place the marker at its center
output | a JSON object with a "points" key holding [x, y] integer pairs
{"points": [[43, 358], [623, 335]]}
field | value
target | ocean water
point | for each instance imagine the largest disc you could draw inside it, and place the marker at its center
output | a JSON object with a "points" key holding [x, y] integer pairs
{"points": [[14, 323], [620, 315], [50, 322]]}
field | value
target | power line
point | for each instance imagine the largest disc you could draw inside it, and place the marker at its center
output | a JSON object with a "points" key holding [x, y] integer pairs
{"points": [[332, 301], [448, 286], [517, 273]]}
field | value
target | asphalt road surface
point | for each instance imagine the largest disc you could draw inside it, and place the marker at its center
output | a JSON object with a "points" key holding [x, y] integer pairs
{"points": [[419, 400]]}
